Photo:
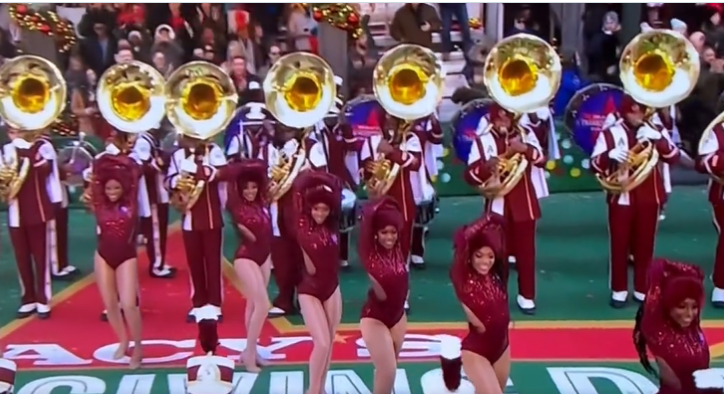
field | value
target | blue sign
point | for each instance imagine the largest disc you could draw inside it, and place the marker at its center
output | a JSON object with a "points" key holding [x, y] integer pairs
{"points": [[364, 114], [234, 127], [587, 111], [464, 127]]}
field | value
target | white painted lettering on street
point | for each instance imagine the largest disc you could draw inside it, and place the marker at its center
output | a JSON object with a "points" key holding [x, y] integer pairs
{"points": [[76, 384], [578, 380], [415, 346], [286, 382], [136, 384], [105, 353], [44, 355]]}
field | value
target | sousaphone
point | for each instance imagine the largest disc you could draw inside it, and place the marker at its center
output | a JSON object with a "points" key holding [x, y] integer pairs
{"points": [[706, 148], [407, 83], [299, 91], [659, 68], [200, 102], [32, 95], [522, 74]]}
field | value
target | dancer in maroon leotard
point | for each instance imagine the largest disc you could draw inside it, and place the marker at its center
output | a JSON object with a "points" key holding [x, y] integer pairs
{"points": [[383, 322], [668, 325], [479, 274], [317, 202], [252, 260], [114, 189]]}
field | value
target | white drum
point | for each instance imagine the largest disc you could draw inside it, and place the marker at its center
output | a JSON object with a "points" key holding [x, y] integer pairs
{"points": [[348, 218]]}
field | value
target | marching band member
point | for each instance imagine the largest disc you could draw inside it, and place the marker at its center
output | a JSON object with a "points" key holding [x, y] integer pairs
{"points": [[479, 275], [520, 207], [61, 269], [154, 219], [666, 118], [632, 216], [114, 201], [430, 134], [383, 323], [317, 199], [254, 133], [286, 254], [195, 165], [119, 144], [31, 199], [711, 161], [668, 326], [252, 260]]}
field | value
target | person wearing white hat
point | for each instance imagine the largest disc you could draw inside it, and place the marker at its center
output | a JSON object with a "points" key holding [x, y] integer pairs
{"points": [[8, 369], [679, 26], [209, 374], [250, 132]]}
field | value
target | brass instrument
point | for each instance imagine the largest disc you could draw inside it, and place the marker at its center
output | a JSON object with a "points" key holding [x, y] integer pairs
{"points": [[408, 84], [32, 95], [200, 102], [705, 136], [522, 74], [299, 91], [659, 68]]}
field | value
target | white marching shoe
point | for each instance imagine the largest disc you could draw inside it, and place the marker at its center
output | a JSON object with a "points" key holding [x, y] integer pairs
{"points": [[526, 306]]}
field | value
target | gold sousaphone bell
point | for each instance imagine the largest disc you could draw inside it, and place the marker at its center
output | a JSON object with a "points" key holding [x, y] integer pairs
{"points": [[407, 83], [522, 74], [659, 68], [200, 102], [32, 95], [299, 91]]}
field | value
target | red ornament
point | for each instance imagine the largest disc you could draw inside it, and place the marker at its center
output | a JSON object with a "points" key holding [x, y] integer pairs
{"points": [[44, 29], [21, 9], [352, 19], [317, 15]]}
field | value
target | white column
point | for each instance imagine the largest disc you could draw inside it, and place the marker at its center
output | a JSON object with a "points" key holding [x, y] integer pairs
{"points": [[494, 20]]}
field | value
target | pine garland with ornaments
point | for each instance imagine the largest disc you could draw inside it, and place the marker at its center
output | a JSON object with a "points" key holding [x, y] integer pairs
{"points": [[343, 16], [46, 22]]}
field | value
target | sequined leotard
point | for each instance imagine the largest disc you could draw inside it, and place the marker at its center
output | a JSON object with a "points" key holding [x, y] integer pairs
{"points": [[684, 349], [321, 244], [487, 299], [254, 216]]}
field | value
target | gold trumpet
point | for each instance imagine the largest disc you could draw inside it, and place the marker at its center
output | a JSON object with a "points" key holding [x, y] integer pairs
{"points": [[200, 102], [659, 68], [299, 91], [32, 95], [407, 82], [522, 74]]}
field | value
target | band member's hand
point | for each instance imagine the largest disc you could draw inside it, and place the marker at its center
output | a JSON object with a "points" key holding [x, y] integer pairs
{"points": [[385, 147], [518, 146], [492, 164], [646, 133], [425, 27], [618, 154]]}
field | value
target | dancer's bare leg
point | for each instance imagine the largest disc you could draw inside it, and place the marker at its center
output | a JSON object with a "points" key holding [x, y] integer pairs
{"points": [[379, 342], [480, 373], [106, 281], [127, 281], [315, 320], [256, 308], [333, 310]]}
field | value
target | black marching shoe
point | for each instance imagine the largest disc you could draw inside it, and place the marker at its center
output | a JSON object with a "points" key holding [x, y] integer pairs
{"points": [[344, 265], [67, 274], [619, 299], [526, 306], [417, 263], [166, 272], [25, 311]]}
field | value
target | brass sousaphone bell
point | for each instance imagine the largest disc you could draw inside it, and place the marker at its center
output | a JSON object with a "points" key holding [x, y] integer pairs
{"points": [[704, 147], [299, 91], [131, 98], [200, 102], [407, 83], [32, 95], [659, 68], [522, 74]]}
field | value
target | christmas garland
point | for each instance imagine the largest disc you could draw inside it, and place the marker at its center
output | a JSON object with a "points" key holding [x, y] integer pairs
{"points": [[343, 16], [46, 22]]}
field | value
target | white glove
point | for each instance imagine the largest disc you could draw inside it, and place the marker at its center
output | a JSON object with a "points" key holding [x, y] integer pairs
{"points": [[709, 379], [189, 166], [543, 113], [618, 154], [646, 133]]}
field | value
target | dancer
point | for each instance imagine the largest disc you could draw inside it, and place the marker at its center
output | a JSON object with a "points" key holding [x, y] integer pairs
{"points": [[505, 137], [252, 260], [194, 175], [711, 162], [383, 323], [479, 274], [31, 160], [288, 144], [114, 200], [155, 200], [317, 200], [632, 216], [668, 325]]}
